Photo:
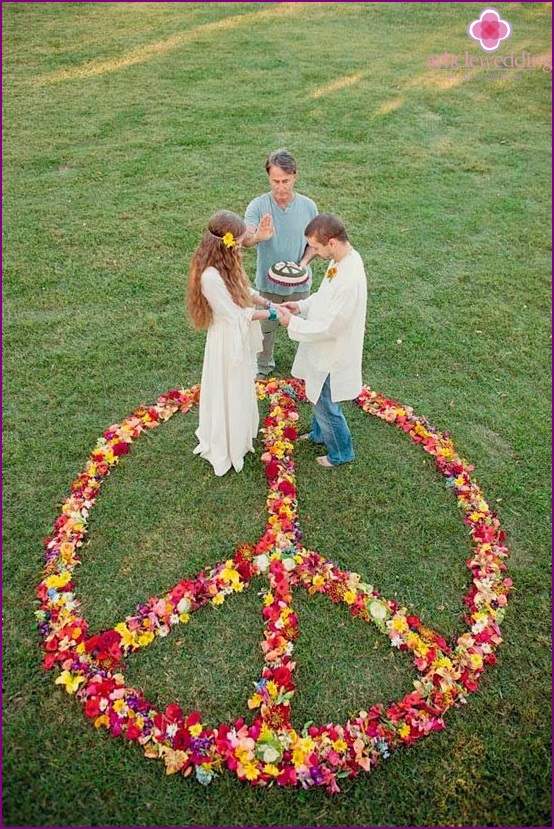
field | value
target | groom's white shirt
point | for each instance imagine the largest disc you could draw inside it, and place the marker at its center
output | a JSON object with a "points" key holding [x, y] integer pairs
{"points": [[330, 331]]}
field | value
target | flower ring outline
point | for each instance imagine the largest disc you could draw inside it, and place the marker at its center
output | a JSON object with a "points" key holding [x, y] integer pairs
{"points": [[489, 30], [270, 749]]}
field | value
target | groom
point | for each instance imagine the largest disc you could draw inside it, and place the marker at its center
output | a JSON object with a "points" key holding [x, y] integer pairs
{"points": [[329, 326]]}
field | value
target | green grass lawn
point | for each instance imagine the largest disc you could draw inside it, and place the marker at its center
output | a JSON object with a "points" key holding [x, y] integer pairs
{"points": [[125, 126]]}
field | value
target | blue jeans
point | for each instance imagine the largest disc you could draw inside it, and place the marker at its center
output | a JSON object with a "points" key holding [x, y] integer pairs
{"points": [[329, 427]]}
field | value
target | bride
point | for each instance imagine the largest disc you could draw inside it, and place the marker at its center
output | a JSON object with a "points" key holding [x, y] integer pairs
{"points": [[220, 299]]}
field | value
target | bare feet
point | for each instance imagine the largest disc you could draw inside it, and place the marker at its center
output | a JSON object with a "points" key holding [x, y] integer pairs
{"points": [[324, 461]]}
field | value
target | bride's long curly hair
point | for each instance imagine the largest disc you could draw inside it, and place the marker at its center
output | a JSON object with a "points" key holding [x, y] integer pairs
{"points": [[213, 252]]}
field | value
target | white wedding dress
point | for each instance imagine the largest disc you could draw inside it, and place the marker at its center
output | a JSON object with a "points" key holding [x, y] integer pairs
{"points": [[229, 416]]}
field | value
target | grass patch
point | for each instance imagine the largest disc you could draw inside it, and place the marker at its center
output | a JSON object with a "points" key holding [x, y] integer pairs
{"points": [[125, 126]]}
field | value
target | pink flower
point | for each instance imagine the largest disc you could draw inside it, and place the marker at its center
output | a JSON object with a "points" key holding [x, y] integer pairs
{"points": [[489, 30]]}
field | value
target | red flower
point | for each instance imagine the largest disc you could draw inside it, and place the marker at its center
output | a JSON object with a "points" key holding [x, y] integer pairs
{"points": [[133, 731], [275, 716], [92, 707], [287, 777], [287, 489], [193, 718], [49, 661], [272, 470], [290, 433], [173, 712], [282, 676], [244, 569], [120, 448], [181, 740]]}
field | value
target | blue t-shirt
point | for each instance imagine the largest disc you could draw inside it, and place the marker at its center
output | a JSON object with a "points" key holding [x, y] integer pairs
{"points": [[288, 241]]}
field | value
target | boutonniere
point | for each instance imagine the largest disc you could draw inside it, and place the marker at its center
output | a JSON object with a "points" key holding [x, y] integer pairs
{"points": [[330, 273]]}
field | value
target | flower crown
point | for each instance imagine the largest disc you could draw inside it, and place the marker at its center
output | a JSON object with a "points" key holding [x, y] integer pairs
{"points": [[228, 239]]}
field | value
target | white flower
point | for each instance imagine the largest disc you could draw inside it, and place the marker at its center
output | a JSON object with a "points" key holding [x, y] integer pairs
{"points": [[377, 610], [262, 562], [270, 754], [183, 606]]}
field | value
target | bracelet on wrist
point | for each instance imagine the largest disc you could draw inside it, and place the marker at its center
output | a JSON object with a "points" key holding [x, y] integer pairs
{"points": [[272, 315]]}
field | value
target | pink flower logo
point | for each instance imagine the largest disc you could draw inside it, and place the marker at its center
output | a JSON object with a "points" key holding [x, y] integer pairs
{"points": [[489, 30]]}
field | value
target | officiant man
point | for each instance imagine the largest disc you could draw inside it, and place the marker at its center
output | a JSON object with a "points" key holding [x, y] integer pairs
{"points": [[275, 224]]}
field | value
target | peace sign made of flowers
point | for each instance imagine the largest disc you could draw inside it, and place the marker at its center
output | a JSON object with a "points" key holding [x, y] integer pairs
{"points": [[269, 749]]}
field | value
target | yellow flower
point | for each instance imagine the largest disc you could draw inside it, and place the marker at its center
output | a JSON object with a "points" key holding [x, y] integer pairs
{"points": [[125, 633], [330, 273], [255, 701], [195, 730], [184, 617], [272, 689], [219, 598], [102, 720], [298, 757], [404, 730], [340, 745], [442, 662], [144, 639], [350, 597], [243, 755], [279, 448], [318, 581], [272, 770], [265, 733], [174, 760], [67, 549], [58, 581], [400, 624], [251, 772], [70, 681], [230, 575], [229, 240]]}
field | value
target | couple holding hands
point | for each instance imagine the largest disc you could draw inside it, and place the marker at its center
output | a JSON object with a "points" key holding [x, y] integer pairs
{"points": [[241, 322]]}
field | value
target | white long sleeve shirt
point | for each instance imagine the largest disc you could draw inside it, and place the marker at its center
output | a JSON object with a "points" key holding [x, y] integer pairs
{"points": [[330, 331]]}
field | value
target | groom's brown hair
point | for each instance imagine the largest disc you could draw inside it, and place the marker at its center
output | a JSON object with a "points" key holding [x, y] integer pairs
{"points": [[325, 226]]}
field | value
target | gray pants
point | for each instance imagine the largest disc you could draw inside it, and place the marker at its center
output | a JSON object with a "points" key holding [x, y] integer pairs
{"points": [[266, 360]]}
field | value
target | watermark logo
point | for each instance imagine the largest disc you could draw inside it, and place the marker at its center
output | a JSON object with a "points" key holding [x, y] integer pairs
{"points": [[489, 30]]}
